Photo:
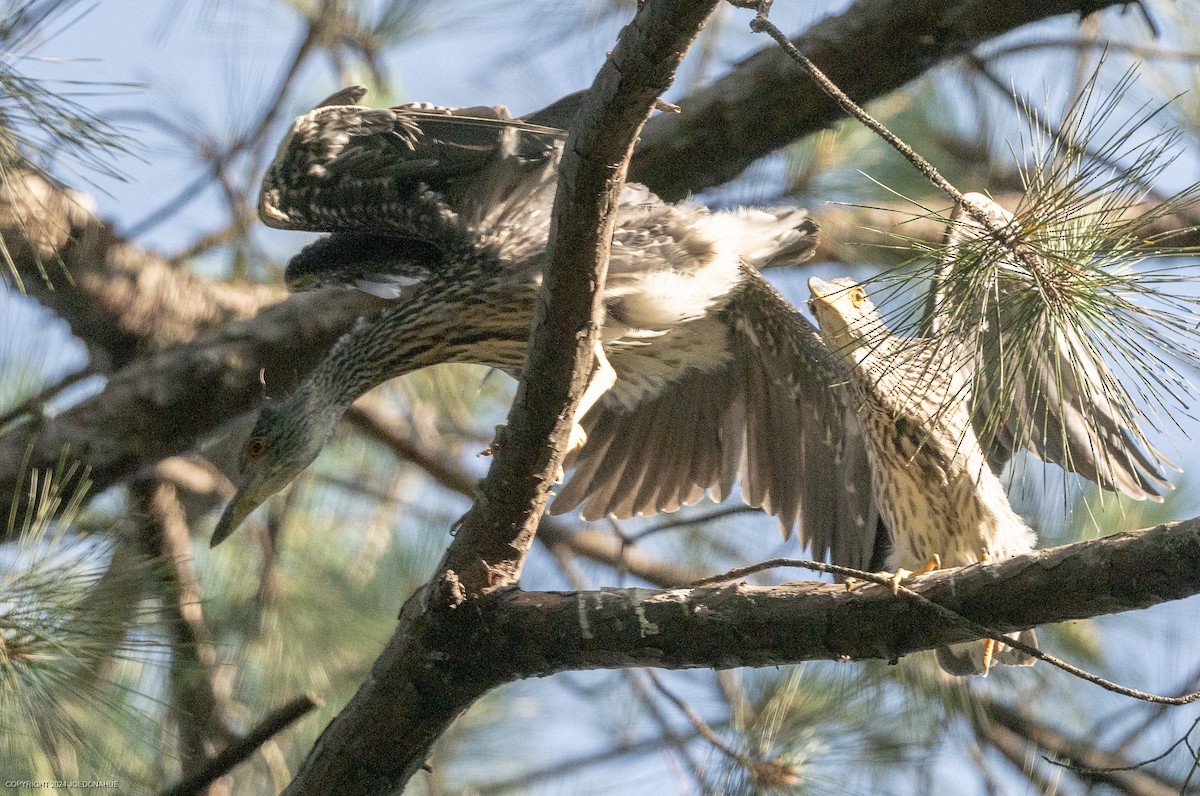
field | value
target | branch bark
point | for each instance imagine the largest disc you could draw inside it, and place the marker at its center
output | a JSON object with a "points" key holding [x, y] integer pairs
{"points": [[537, 633], [766, 102], [117, 297], [163, 404]]}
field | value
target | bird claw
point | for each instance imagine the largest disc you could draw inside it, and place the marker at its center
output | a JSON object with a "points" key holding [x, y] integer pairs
{"points": [[576, 440], [897, 578], [497, 441]]}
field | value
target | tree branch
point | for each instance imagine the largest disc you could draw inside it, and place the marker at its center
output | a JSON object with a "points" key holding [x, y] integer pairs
{"points": [[117, 297], [765, 102], [161, 405], [533, 634], [273, 724]]}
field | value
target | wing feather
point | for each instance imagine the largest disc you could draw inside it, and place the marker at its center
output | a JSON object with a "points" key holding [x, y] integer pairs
{"points": [[768, 412]]}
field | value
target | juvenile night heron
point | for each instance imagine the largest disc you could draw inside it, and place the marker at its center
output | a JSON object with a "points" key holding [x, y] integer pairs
{"points": [[715, 378], [935, 490]]}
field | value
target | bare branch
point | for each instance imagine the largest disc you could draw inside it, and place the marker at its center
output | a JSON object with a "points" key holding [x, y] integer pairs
{"points": [[269, 727], [872, 48]]}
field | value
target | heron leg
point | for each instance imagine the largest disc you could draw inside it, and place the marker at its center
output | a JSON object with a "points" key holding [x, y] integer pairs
{"points": [[990, 646]]}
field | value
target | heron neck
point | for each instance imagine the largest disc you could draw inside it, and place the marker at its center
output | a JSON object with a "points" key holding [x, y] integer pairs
{"points": [[429, 327]]}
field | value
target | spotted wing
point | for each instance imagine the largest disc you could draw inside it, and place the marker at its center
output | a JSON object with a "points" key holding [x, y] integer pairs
{"points": [[1038, 384], [774, 418], [410, 169]]}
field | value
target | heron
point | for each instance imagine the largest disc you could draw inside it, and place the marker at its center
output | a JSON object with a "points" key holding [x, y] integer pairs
{"points": [[706, 376]]}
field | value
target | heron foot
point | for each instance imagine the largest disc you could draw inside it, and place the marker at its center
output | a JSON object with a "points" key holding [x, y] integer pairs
{"points": [[899, 576], [989, 653]]}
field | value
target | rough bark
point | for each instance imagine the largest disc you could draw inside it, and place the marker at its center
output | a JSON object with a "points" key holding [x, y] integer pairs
{"points": [[120, 299], [161, 405], [766, 102], [536, 634]]}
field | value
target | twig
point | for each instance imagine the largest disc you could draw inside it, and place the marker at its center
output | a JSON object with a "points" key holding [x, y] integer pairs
{"points": [[1091, 770], [772, 773], [45, 395], [683, 522], [235, 753], [1004, 235], [677, 744], [951, 616]]}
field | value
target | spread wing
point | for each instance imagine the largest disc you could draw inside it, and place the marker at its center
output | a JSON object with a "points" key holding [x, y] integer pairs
{"points": [[1038, 383], [410, 191], [344, 167], [773, 418]]}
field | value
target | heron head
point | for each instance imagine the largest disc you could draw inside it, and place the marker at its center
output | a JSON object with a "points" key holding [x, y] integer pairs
{"points": [[285, 440], [846, 316]]}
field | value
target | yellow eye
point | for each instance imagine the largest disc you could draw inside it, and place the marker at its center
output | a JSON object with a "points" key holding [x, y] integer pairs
{"points": [[256, 448], [857, 297]]}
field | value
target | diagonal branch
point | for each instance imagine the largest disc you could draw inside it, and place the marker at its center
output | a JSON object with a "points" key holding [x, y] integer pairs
{"points": [[162, 405], [120, 299], [870, 49], [496, 534]]}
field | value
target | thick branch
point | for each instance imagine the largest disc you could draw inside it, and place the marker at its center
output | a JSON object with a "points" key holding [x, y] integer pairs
{"points": [[766, 102], [118, 298], [162, 405], [495, 535], [535, 634]]}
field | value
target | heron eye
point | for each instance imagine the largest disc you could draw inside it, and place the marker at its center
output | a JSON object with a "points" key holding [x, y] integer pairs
{"points": [[857, 297], [256, 448]]}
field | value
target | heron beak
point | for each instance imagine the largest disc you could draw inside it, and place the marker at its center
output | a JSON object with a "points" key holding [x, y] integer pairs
{"points": [[819, 288], [241, 507]]}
